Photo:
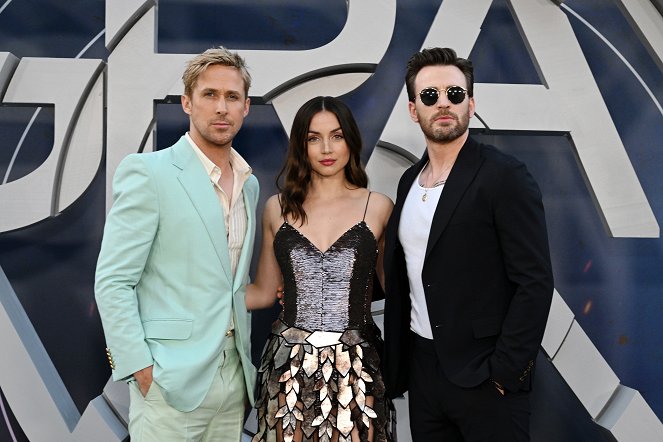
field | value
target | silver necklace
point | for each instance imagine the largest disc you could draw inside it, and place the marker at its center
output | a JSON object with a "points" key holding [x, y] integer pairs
{"points": [[424, 197], [437, 183]]}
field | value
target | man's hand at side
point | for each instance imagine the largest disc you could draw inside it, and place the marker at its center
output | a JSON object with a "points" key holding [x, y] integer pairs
{"points": [[144, 379]]}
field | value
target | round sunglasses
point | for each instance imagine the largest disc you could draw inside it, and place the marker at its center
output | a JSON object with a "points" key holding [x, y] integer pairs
{"points": [[430, 95]]}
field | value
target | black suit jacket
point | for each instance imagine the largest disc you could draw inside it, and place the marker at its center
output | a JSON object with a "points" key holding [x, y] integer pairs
{"points": [[487, 275]]}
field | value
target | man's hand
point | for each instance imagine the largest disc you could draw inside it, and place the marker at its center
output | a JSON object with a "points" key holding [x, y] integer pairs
{"points": [[144, 379], [279, 295], [498, 386]]}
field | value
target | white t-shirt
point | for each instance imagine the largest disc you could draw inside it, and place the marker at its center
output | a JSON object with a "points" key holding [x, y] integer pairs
{"points": [[413, 232]]}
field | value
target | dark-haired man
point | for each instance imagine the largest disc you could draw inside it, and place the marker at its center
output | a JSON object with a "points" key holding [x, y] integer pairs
{"points": [[468, 274]]}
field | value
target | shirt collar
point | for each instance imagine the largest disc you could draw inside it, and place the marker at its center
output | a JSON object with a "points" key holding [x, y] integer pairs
{"points": [[238, 164]]}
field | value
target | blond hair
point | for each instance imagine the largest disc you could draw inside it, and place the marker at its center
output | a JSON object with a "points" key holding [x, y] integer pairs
{"points": [[220, 55]]}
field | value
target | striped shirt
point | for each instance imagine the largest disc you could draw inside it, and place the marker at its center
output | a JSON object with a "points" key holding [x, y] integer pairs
{"points": [[234, 210]]}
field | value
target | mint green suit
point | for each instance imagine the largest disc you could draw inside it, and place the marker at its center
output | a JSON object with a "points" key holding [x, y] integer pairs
{"points": [[164, 284]]}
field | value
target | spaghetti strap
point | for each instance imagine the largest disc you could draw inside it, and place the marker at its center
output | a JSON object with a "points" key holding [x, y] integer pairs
{"points": [[285, 221], [366, 209]]}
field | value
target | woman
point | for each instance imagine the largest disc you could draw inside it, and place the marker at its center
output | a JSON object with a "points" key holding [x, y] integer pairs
{"points": [[322, 240]]}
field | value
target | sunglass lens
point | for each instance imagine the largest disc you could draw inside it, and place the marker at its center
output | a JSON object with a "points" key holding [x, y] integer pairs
{"points": [[429, 96], [455, 94]]}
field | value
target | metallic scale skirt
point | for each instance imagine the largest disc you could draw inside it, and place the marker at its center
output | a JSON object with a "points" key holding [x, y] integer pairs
{"points": [[321, 382]]}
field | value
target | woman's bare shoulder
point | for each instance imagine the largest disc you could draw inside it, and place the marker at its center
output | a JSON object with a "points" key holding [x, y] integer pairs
{"points": [[381, 201], [272, 209], [273, 201]]}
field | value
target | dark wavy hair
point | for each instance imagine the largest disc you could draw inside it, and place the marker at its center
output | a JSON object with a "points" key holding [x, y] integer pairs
{"points": [[436, 57], [294, 179]]}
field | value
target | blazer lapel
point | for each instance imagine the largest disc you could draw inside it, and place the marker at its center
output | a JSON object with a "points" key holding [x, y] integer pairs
{"points": [[250, 203], [462, 174], [401, 194], [197, 185], [406, 183]]}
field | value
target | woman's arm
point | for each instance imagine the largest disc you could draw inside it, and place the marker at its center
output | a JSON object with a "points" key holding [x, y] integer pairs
{"points": [[379, 211], [262, 292]]}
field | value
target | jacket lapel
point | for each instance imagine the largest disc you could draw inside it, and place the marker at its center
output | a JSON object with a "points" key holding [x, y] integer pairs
{"points": [[250, 197], [197, 185], [404, 187], [462, 174]]}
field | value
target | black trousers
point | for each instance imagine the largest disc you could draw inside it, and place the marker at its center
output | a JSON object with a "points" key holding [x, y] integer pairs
{"points": [[442, 411]]}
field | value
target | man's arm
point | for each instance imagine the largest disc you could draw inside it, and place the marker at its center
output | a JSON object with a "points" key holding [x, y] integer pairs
{"points": [[521, 228], [130, 229]]}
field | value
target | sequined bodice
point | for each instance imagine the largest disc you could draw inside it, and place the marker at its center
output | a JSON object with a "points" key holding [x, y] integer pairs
{"points": [[330, 290]]}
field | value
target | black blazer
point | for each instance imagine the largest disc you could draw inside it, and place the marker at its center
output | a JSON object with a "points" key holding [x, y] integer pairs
{"points": [[486, 275]]}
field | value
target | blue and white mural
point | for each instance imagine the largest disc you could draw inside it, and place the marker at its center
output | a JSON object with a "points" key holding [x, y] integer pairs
{"points": [[573, 88]]}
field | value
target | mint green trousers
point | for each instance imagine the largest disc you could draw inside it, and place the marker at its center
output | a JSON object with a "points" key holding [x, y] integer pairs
{"points": [[219, 418]]}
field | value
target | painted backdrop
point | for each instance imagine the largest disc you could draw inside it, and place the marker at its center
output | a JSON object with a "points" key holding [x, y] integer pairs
{"points": [[573, 88]]}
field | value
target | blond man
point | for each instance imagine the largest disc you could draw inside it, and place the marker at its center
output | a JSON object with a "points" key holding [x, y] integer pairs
{"points": [[174, 263]]}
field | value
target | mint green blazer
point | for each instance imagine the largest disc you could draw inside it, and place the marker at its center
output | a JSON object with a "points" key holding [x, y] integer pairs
{"points": [[164, 285]]}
